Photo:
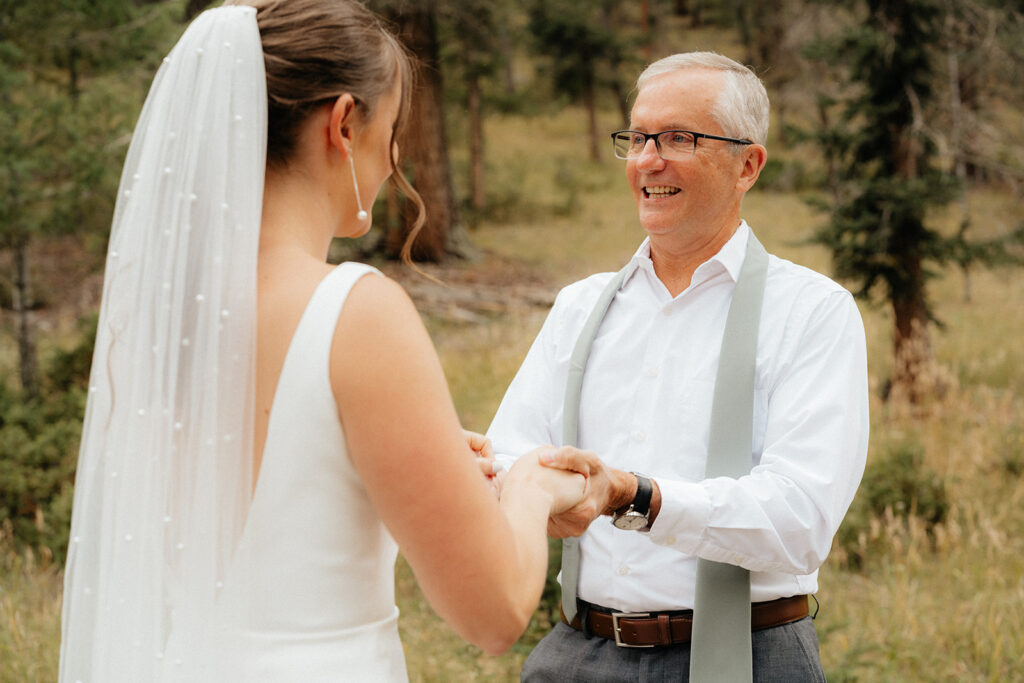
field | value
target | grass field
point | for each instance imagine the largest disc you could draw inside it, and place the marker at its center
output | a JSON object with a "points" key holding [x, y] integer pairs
{"points": [[938, 604]]}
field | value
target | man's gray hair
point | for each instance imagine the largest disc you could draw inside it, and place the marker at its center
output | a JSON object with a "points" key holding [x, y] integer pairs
{"points": [[742, 106]]}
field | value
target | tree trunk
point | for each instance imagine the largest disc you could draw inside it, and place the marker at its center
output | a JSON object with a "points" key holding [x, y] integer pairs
{"points": [[913, 373], [959, 154], [647, 41], [831, 167], [590, 101], [622, 100], [696, 14], [425, 144], [743, 26], [781, 112], [615, 63], [22, 304], [74, 90], [477, 191]]}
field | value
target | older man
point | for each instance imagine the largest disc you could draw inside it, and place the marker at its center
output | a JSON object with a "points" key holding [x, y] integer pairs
{"points": [[696, 145]]}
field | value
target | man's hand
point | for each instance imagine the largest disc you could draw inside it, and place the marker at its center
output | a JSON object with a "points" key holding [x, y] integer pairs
{"points": [[608, 489], [566, 488]]}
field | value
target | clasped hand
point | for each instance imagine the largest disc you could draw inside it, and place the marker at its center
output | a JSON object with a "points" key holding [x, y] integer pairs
{"points": [[576, 509], [607, 490]]}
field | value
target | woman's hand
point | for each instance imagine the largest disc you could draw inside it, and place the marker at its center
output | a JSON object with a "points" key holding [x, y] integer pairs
{"points": [[565, 488], [481, 446]]}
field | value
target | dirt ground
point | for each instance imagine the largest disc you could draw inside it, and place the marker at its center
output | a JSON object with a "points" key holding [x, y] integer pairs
{"points": [[67, 282], [472, 290]]}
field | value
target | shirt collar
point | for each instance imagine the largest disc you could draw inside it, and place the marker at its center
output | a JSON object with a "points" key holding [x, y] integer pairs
{"points": [[730, 257]]}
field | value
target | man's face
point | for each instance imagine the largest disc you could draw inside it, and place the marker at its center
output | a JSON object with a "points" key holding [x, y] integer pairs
{"points": [[692, 198]]}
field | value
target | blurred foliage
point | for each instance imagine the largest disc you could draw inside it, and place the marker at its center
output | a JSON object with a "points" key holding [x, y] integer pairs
{"points": [[39, 442], [67, 103], [39, 449], [896, 486]]}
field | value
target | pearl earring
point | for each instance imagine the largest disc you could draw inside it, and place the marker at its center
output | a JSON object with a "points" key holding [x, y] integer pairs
{"points": [[361, 215]]}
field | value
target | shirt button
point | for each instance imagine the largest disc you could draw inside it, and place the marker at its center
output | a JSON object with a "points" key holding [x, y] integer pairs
{"points": [[737, 560], [652, 372], [623, 570], [640, 436], [667, 310], [670, 540]]}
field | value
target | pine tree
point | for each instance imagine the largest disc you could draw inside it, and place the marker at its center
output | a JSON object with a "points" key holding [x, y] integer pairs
{"points": [[58, 125], [585, 51], [887, 175]]}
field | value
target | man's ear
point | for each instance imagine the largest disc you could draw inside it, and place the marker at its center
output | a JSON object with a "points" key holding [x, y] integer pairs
{"points": [[341, 123], [754, 158]]}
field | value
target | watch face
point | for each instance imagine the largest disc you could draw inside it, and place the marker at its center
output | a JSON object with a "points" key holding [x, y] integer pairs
{"points": [[630, 521]]}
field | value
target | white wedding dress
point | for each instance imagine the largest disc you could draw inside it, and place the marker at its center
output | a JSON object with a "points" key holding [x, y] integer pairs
{"points": [[309, 595], [177, 570]]}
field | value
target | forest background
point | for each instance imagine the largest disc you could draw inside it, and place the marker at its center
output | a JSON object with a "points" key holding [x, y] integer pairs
{"points": [[895, 165]]}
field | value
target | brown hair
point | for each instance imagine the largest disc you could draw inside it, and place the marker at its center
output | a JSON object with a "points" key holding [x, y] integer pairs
{"points": [[316, 50]]}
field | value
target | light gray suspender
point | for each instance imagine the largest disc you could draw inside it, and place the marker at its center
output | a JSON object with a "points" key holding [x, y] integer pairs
{"points": [[721, 630], [570, 419]]}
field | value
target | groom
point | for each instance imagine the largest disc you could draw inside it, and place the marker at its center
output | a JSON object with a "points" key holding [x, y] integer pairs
{"points": [[695, 147]]}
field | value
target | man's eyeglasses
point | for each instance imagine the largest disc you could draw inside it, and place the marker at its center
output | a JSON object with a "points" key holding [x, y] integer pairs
{"points": [[672, 145]]}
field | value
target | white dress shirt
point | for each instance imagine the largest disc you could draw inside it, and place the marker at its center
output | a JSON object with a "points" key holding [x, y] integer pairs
{"points": [[646, 407]]}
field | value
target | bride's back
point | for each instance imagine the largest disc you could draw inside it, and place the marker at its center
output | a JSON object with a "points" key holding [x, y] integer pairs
{"points": [[311, 590]]}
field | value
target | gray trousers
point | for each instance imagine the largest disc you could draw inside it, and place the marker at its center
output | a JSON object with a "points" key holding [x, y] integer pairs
{"points": [[783, 654]]}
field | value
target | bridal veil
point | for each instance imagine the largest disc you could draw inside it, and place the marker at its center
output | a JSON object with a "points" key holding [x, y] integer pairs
{"points": [[165, 468]]}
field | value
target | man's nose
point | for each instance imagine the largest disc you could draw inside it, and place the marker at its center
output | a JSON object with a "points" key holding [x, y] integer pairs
{"points": [[649, 156]]}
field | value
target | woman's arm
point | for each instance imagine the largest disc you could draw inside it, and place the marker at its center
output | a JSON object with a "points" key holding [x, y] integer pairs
{"points": [[480, 562]]}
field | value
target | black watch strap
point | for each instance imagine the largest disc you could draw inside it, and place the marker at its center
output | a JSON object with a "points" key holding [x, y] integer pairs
{"points": [[644, 490]]}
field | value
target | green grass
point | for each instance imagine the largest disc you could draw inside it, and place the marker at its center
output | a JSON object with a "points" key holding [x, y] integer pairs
{"points": [[940, 606]]}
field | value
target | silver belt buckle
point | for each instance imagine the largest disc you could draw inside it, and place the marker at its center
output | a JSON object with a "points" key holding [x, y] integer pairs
{"points": [[618, 632]]}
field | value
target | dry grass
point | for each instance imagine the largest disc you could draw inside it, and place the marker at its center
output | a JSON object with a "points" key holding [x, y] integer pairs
{"points": [[30, 606]]}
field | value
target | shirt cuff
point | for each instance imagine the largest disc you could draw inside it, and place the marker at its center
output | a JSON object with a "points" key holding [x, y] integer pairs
{"points": [[684, 515], [504, 461]]}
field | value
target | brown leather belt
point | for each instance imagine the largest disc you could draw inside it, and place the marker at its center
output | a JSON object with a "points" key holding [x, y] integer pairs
{"points": [[647, 629]]}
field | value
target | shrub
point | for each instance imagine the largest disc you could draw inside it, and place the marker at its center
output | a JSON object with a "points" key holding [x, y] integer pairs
{"points": [[39, 450], [897, 486], [69, 368]]}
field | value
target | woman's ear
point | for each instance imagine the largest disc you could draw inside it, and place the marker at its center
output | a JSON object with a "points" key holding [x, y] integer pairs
{"points": [[340, 132]]}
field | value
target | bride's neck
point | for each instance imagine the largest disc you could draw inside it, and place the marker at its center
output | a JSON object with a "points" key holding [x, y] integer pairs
{"points": [[297, 214]]}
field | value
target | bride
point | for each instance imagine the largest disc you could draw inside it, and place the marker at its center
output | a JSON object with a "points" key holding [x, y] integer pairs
{"points": [[264, 429]]}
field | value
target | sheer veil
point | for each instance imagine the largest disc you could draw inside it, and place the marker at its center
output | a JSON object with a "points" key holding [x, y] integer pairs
{"points": [[164, 475]]}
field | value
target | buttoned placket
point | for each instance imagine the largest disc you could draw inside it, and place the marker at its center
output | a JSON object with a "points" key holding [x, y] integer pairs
{"points": [[666, 341]]}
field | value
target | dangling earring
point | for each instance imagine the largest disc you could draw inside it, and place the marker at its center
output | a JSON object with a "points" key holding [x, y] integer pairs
{"points": [[361, 215]]}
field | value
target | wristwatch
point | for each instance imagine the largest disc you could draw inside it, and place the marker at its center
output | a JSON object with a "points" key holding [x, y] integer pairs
{"points": [[635, 515]]}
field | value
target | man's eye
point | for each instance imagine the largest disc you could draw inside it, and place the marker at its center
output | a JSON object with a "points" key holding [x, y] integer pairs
{"points": [[680, 138], [637, 140]]}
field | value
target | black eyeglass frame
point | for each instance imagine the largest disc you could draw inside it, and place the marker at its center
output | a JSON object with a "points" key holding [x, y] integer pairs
{"points": [[657, 142]]}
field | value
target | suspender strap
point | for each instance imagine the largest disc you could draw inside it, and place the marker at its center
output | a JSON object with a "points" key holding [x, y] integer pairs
{"points": [[721, 649], [729, 452], [570, 420]]}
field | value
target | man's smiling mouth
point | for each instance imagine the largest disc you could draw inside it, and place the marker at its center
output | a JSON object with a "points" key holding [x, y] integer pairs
{"points": [[659, 191]]}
